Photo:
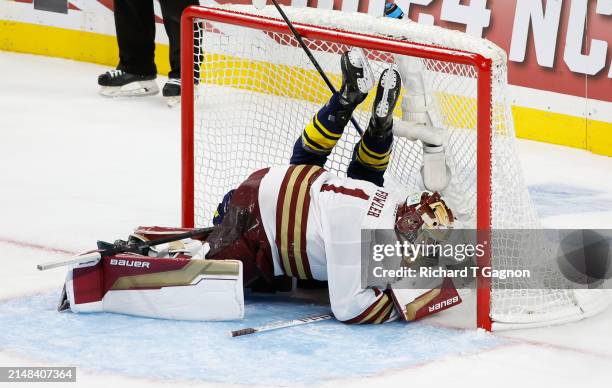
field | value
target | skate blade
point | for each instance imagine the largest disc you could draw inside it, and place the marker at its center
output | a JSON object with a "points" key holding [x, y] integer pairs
{"points": [[133, 89], [172, 101], [388, 82], [358, 59]]}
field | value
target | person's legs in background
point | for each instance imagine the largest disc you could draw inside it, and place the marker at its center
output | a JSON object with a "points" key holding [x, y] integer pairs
{"points": [[136, 71], [171, 13], [135, 25]]}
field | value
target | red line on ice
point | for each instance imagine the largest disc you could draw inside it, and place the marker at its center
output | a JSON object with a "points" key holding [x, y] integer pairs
{"points": [[26, 244]]}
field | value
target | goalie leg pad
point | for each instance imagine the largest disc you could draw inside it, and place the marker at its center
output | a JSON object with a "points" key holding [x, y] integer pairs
{"points": [[183, 289]]}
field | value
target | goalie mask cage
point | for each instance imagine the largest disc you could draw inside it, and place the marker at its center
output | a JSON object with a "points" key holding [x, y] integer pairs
{"points": [[249, 90]]}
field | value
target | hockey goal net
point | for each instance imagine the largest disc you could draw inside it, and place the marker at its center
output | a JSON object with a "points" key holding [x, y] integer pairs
{"points": [[255, 90]]}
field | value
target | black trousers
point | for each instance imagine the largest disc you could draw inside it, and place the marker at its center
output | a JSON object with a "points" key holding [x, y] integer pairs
{"points": [[135, 25]]}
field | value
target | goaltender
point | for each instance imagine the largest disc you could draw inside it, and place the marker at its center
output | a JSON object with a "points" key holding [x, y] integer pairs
{"points": [[297, 220]]}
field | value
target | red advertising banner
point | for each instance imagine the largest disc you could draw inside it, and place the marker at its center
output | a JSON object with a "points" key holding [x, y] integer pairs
{"points": [[560, 46]]}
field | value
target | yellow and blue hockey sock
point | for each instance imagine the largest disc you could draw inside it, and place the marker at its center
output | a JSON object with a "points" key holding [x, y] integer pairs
{"points": [[322, 133], [371, 158]]}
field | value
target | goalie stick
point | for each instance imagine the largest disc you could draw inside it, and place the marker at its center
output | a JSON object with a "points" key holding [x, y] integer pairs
{"points": [[281, 325], [112, 249], [298, 37]]}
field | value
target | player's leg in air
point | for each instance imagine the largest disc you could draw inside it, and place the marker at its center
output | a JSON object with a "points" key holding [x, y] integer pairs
{"points": [[371, 153], [327, 125]]}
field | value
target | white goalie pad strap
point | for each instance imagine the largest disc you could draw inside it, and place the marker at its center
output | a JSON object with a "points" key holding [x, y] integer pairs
{"points": [[416, 109], [207, 290], [419, 103], [418, 118], [186, 246], [201, 254]]}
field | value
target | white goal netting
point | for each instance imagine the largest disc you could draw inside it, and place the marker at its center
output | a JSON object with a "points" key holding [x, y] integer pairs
{"points": [[256, 90]]}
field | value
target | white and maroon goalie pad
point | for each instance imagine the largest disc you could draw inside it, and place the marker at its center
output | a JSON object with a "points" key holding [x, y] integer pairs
{"points": [[181, 288], [415, 304]]}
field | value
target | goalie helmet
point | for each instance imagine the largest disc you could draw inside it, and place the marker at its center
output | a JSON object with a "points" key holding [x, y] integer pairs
{"points": [[423, 211]]}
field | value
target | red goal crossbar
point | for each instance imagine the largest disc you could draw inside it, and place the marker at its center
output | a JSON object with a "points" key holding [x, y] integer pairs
{"points": [[391, 45]]}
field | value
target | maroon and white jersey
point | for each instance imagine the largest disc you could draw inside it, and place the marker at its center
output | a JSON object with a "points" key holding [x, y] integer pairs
{"points": [[313, 221]]}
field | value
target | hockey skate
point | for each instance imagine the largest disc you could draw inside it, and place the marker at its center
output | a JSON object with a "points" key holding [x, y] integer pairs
{"points": [[387, 94], [172, 91], [357, 77], [117, 83]]}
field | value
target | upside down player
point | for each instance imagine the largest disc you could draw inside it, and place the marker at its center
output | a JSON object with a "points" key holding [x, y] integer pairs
{"points": [[297, 220]]}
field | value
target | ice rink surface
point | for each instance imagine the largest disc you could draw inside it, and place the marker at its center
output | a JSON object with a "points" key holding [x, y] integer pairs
{"points": [[76, 167]]}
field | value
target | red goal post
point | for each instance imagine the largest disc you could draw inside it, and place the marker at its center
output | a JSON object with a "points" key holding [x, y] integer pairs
{"points": [[481, 65]]}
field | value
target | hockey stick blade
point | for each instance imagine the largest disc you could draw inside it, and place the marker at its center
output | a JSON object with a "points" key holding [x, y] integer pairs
{"points": [[281, 325], [97, 254], [78, 259]]}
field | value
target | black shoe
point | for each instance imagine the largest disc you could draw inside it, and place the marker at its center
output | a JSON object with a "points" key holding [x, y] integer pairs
{"points": [[172, 91], [119, 83], [387, 94], [121, 78], [357, 77], [172, 88]]}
